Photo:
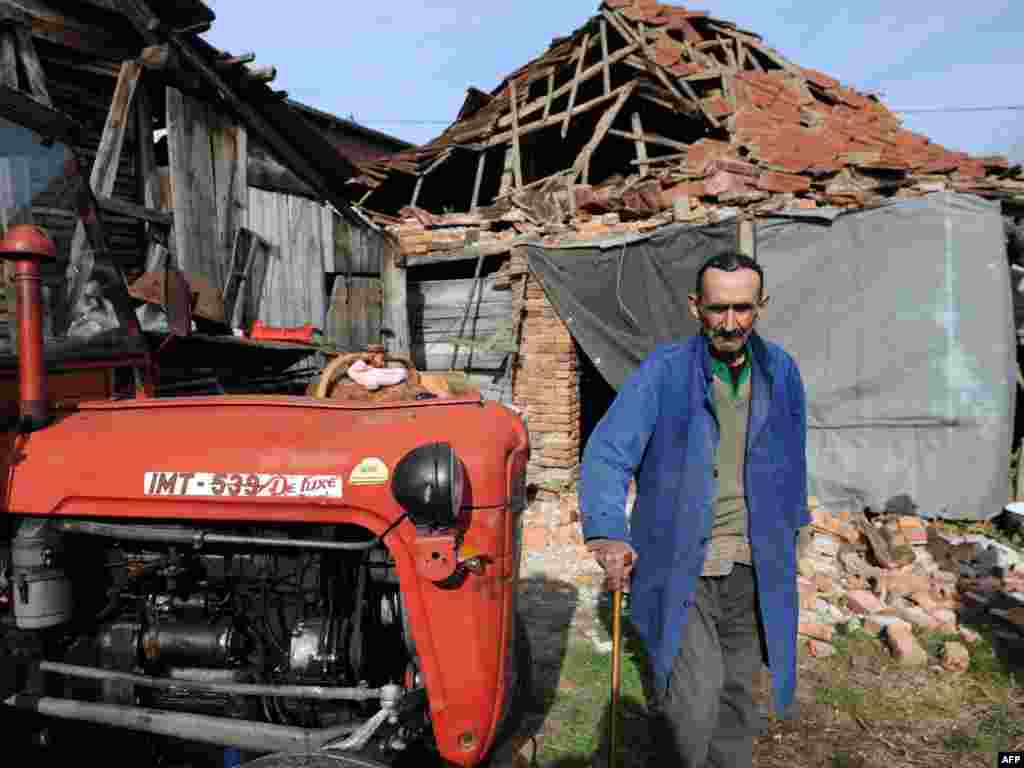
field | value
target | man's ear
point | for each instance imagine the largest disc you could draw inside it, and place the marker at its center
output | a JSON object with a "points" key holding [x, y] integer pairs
{"points": [[694, 301], [764, 302]]}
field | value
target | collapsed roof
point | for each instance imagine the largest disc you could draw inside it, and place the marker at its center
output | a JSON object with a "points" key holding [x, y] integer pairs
{"points": [[648, 105]]}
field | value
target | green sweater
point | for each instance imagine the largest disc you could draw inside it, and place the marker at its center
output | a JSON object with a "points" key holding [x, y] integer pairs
{"points": [[729, 538]]}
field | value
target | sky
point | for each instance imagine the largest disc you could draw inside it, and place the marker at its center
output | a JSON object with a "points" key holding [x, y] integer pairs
{"points": [[403, 66]]}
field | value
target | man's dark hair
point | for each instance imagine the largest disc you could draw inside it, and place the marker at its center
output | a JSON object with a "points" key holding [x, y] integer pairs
{"points": [[729, 261]]}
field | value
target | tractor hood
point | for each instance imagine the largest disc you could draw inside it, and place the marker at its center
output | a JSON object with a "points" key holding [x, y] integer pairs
{"points": [[250, 457]]}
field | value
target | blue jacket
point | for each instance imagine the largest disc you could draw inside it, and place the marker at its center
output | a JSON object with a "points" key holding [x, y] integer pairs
{"points": [[662, 428]]}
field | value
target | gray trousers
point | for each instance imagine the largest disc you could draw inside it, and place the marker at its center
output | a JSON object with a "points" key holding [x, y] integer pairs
{"points": [[707, 715]]}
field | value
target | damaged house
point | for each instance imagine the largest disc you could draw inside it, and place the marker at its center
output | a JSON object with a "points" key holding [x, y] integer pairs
{"points": [[550, 234], [195, 162]]}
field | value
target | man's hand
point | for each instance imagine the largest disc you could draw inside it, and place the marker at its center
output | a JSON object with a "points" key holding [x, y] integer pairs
{"points": [[617, 558]]}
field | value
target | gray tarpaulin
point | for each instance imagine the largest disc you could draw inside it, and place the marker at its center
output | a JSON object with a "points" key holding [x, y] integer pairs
{"points": [[900, 319]]}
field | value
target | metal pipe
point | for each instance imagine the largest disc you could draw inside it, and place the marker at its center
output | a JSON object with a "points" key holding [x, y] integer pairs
{"points": [[31, 367], [181, 535], [321, 693], [247, 735]]}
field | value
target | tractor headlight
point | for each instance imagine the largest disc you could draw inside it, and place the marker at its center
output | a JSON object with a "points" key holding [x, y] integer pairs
{"points": [[428, 482]]}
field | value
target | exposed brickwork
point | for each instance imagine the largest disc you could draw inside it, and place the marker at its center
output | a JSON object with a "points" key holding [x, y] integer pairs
{"points": [[546, 385]]}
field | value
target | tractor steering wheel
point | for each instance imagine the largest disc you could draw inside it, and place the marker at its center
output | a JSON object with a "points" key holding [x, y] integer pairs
{"points": [[342, 362]]}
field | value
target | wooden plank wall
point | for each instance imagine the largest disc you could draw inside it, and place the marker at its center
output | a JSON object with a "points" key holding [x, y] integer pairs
{"points": [[435, 314], [354, 317], [300, 234], [197, 247], [359, 250]]}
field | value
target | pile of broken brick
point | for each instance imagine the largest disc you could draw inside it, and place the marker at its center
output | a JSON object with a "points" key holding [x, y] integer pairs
{"points": [[897, 572]]}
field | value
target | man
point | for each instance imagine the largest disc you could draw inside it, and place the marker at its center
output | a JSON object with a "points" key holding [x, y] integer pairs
{"points": [[714, 430]]}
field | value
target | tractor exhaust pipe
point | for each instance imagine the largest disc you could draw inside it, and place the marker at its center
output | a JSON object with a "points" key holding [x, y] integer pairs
{"points": [[27, 246]]}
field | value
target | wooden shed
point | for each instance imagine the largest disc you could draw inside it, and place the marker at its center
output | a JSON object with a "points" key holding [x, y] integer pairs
{"points": [[194, 160]]}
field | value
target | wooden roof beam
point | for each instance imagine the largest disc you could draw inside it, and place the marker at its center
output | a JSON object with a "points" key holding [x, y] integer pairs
{"points": [[538, 104], [537, 125], [582, 163], [68, 33]]}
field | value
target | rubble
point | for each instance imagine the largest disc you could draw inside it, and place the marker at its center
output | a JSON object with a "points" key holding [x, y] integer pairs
{"points": [[704, 121], [844, 587]]}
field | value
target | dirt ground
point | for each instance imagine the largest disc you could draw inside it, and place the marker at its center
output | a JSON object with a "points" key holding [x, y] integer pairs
{"points": [[857, 709]]}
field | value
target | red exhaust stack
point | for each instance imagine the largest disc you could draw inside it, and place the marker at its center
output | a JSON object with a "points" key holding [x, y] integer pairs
{"points": [[27, 246]]}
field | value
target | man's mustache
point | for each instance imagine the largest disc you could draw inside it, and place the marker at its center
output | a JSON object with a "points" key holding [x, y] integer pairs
{"points": [[726, 335]]}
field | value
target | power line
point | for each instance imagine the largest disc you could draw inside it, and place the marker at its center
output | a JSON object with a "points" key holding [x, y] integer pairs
{"points": [[915, 110], [1007, 108], [403, 122]]}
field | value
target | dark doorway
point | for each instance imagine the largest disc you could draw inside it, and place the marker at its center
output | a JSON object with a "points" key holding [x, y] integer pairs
{"points": [[596, 395]]}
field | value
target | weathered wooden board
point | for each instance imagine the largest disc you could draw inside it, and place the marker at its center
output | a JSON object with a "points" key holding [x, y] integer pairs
{"points": [[192, 188], [229, 163], [436, 356], [355, 313], [395, 299], [359, 250], [453, 292], [436, 310], [293, 289], [107, 161], [428, 313]]}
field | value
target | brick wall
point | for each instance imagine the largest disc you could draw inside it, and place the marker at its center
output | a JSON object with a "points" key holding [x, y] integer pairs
{"points": [[546, 385]]}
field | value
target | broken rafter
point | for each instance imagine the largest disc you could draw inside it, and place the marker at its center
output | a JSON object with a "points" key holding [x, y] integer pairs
{"points": [[666, 104], [688, 89], [604, 57], [429, 169], [638, 141], [661, 159], [501, 138], [650, 138], [534, 106], [517, 158], [582, 163], [620, 26], [542, 183], [575, 84], [474, 203], [675, 100], [33, 67], [730, 53], [550, 96], [757, 45]]}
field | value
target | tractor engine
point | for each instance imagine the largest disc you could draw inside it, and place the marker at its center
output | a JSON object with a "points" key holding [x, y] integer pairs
{"points": [[255, 633]]}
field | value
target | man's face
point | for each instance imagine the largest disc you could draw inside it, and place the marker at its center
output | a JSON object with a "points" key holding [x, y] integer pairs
{"points": [[727, 309]]}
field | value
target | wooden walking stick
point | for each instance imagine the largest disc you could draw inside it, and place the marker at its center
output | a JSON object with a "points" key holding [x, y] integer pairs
{"points": [[613, 712]]}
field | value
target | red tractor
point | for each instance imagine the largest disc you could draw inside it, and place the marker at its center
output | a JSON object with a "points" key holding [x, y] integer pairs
{"points": [[280, 574]]}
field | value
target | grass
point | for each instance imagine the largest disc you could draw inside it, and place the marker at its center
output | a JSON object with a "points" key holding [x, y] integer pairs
{"points": [[577, 720]]}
